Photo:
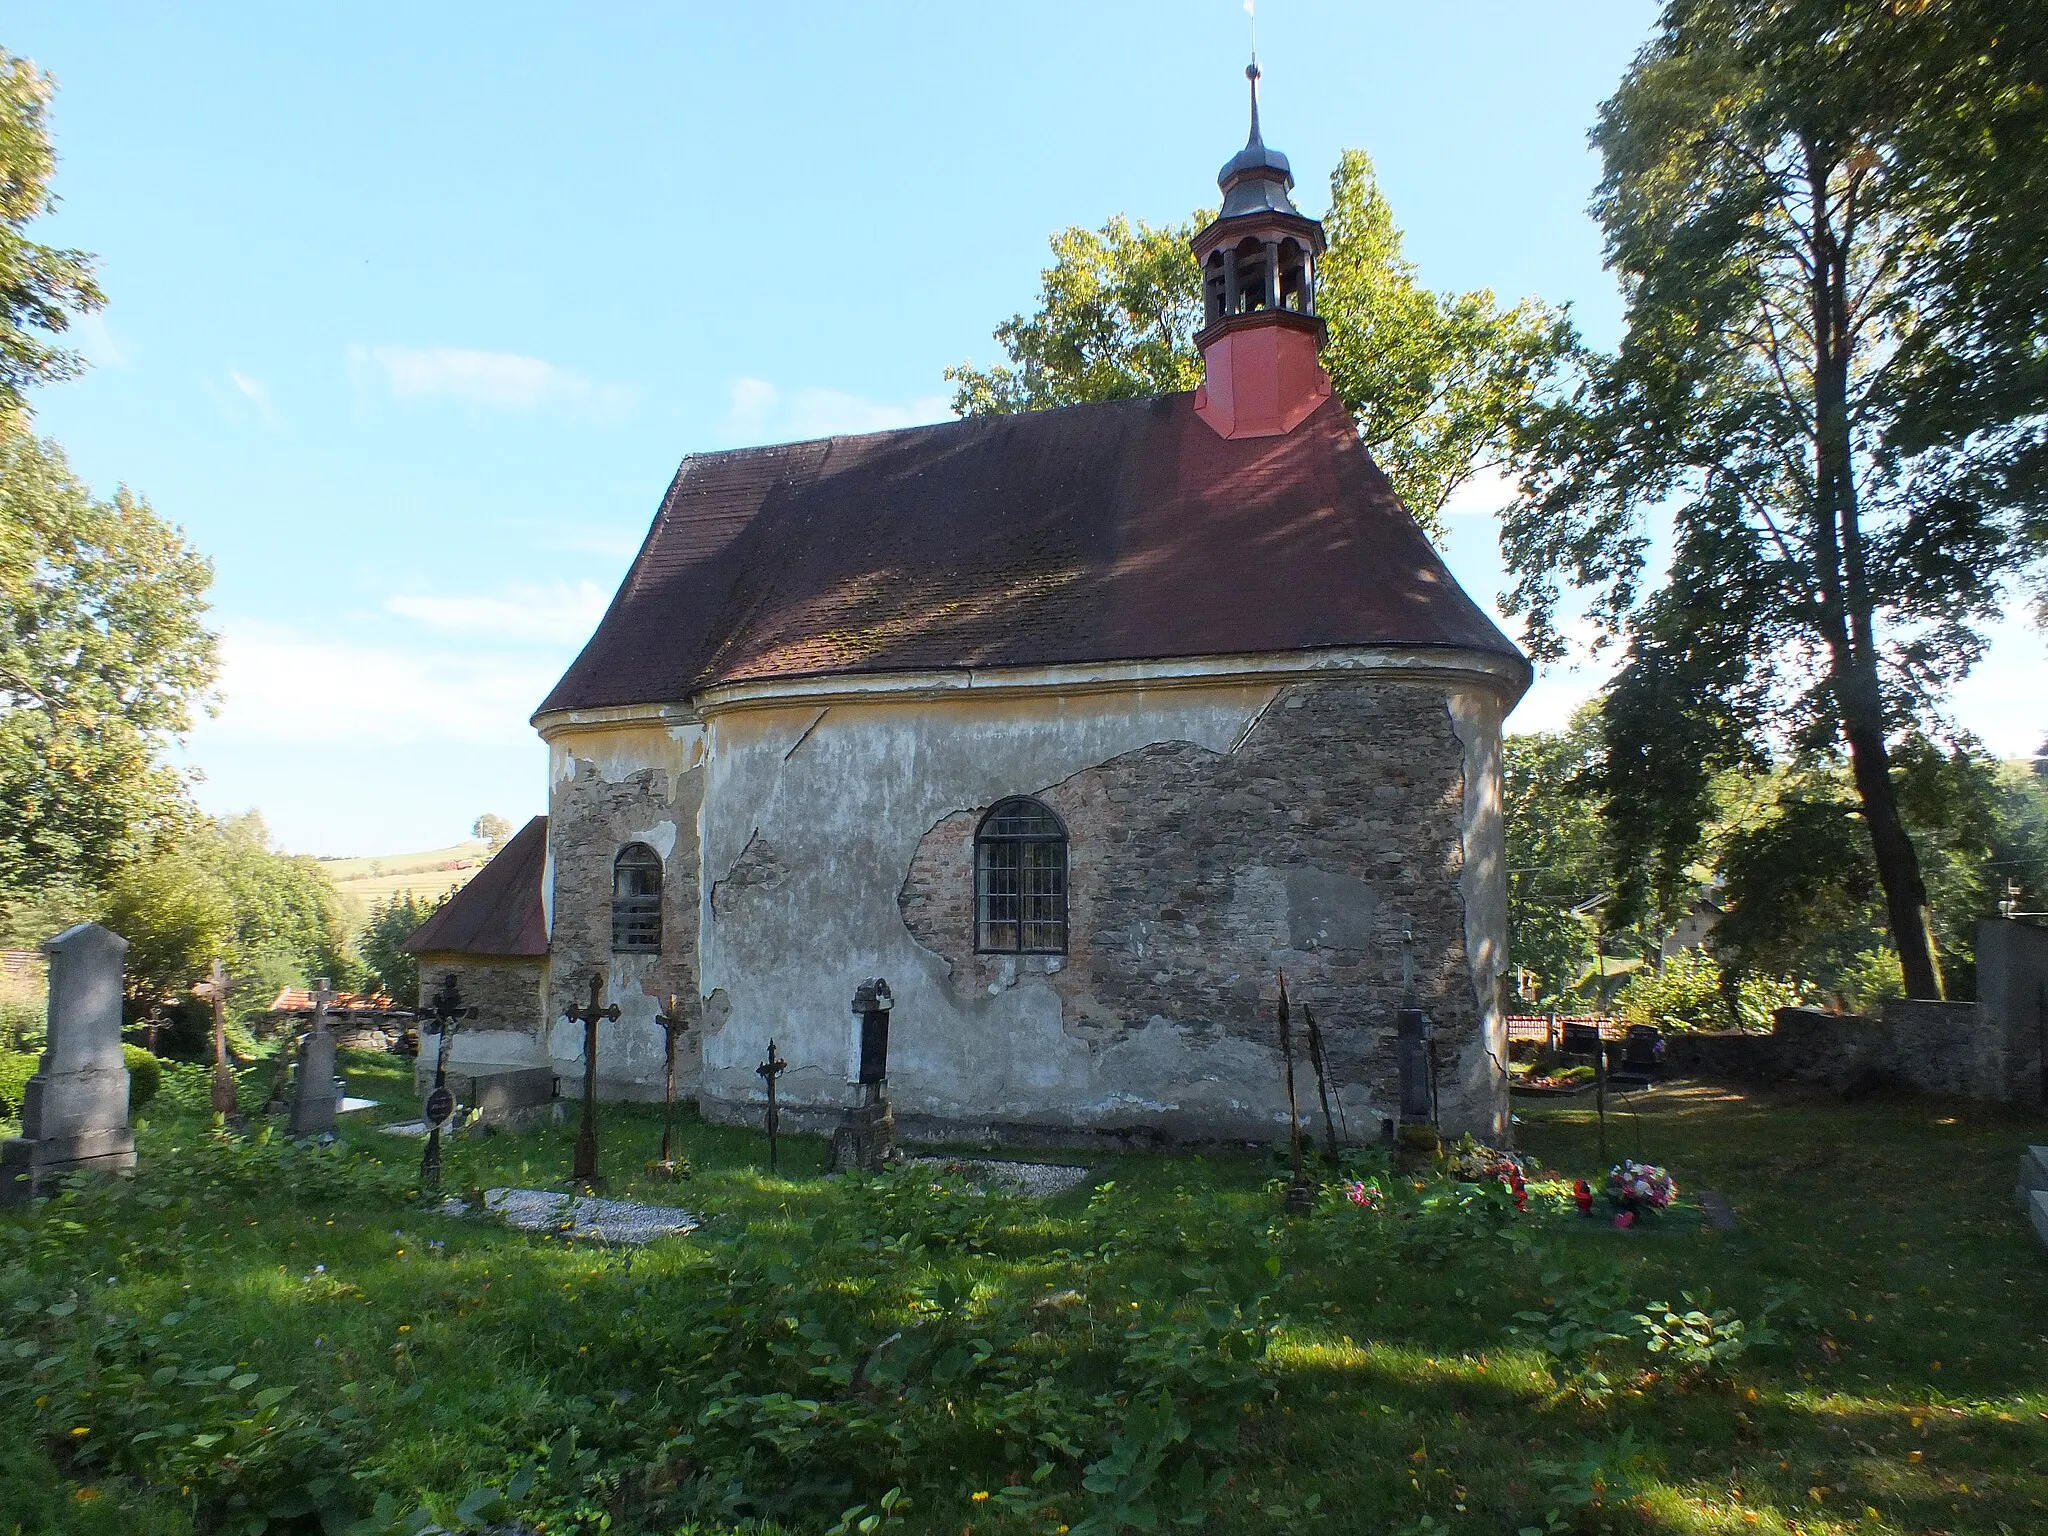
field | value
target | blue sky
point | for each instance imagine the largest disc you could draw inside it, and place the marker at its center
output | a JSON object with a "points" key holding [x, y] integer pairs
{"points": [[416, 308]]}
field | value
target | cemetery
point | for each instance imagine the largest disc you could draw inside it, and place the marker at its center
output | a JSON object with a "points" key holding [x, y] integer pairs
{"points": [[1798, 1311], [1393, 881]]}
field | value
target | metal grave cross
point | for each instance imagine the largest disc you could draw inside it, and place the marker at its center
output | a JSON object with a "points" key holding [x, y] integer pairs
{"points": [[672, 1024], [770, 1070], [215, 988], [585, 1169], [447, 1007]]}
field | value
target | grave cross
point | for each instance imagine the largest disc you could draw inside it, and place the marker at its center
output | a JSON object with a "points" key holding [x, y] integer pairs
{"points": [[672, 1024], [770, 1070], [215, 988], [446, 1006], [291, 1047], [585, 1171]]}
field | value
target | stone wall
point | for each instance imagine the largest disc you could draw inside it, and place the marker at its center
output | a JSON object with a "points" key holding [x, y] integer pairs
{"points": [[611, 788], [508, 994], [1199, 877]]}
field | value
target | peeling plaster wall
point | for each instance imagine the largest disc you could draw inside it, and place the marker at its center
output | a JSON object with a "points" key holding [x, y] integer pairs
{"points": [[610, 785], [1219, 834]]}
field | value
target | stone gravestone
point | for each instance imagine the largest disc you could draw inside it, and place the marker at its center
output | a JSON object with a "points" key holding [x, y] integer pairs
{"points": [[866, 1136], [313, 1106], [74, 1112]]}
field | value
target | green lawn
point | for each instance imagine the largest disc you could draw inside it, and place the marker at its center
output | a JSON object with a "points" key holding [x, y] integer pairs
{"points": [[252, 1334]]}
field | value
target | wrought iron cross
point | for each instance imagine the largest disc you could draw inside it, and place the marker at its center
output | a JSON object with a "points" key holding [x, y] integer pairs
{"points": [[770, 1070], [446, 1006], [585, 1170], [672, 1024]]}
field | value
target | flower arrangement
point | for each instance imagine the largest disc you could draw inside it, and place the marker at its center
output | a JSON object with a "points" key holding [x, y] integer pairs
{"points": [[1636, 1190], [1365, 1195], [1476, 1163]]}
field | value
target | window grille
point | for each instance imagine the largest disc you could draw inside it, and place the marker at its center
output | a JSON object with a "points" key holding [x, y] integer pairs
{"points": [[1020, 878], [636, 900]]}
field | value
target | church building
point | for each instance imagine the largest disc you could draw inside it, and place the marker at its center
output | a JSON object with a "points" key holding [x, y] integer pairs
{"points": [[1080, 726]]}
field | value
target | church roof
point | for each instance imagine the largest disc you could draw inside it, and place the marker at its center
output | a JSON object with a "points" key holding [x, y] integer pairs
{"points": [[1120, 531], [499, 912]]}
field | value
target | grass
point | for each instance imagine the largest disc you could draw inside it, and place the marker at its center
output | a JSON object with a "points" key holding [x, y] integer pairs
{"points": [[1160, 1346]]}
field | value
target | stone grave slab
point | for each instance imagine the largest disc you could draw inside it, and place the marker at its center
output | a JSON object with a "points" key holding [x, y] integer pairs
{"points": [[1033, 1181], [2037, 1212], [2033, 1174], [586, 1216]]}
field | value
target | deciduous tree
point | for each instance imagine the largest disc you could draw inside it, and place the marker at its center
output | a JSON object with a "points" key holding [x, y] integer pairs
{"points": [[41, 287], [1434, 381], [1825, 217]]}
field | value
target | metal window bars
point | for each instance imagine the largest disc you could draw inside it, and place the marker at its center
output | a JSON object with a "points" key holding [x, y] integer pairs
{"points": [[1021, 881], [636, 900]]}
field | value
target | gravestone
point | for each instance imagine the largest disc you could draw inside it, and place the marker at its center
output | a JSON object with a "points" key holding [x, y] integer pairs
{"points": [[74, 1112], [313, 1106], [866, 1136]]}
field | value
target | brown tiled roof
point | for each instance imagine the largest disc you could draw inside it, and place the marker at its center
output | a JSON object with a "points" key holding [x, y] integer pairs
{"points": [[1121, 531], [499, 911]]}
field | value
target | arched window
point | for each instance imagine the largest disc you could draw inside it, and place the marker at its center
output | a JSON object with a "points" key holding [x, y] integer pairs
{"points": [[1020, 881], [636, 900]]}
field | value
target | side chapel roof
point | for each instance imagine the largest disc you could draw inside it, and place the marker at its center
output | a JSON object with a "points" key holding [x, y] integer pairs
{"points": [[499, 911], [1120, 531]]}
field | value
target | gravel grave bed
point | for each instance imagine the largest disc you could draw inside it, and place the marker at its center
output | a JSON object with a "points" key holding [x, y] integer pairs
{"points": [[1034, 1181]]}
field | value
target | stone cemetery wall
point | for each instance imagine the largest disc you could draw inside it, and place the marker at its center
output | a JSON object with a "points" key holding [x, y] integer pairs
{"points": [[1990, 1050]]}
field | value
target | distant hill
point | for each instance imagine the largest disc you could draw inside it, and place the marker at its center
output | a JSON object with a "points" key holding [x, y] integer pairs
{"points": [[427, 875]]}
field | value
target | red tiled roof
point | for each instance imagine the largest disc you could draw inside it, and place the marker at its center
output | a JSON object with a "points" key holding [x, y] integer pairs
{"points": [[300, 1000], [1121, 531], [499, 911]]}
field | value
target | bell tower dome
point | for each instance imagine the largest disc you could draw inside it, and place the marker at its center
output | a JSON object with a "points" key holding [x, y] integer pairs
{"points": [[1261, 333]]}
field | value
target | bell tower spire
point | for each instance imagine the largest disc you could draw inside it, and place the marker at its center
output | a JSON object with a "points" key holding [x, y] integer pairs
{"points": [[1261, 333]]}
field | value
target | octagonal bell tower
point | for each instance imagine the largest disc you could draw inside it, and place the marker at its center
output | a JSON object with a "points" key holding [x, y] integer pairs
{"points": [[1261, 335]]}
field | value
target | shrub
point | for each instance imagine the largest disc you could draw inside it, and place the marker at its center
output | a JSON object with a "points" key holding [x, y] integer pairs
{"points": [[145, 1076], [1870, 979], [1689, 991], [16, 1068]]}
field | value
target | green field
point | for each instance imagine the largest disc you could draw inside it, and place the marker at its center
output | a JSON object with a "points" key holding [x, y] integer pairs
{"points": [[427, 875], [251, 1336]]}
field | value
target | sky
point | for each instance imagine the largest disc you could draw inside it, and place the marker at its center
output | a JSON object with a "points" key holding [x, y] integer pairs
{"points": [[416, 308]]}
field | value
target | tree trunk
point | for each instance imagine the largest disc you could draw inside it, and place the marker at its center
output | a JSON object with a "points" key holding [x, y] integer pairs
{"points": [[1846, 611]]}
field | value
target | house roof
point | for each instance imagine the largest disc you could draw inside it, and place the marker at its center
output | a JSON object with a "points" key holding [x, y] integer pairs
{"points": [[499, 911], [1120, 531]]}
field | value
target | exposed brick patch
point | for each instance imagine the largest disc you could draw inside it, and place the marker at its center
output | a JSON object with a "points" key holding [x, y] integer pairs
{"points": [[590, 820], [505, 995]]}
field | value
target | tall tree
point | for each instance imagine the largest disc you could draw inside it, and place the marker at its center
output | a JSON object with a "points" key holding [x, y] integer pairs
{"points": [[1834, 374], [102, 649], [41, 287], [103, 653], [1435, 381]]}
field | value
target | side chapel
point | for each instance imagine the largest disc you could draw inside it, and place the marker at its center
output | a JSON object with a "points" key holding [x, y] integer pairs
{"points": [[1079, 726]]}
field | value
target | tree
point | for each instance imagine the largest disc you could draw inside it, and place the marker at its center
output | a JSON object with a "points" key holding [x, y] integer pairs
{"points": [[1556, 852], [40, 287], [103, 653], [1433, 380], [491, 829], [391, 924], [1833, 375]]}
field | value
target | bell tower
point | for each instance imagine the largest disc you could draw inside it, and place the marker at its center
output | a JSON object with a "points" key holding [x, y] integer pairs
{"points": [[1261, 333]]}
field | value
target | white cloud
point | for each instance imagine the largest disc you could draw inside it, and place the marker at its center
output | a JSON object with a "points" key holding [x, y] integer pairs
{"points": [[559, 614], [499, 380], [761, 412], [282, 684], [257, 393]]}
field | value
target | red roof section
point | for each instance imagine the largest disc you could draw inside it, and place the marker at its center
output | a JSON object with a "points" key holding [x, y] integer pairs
{"points": [[499, 912], [1121, 531]]}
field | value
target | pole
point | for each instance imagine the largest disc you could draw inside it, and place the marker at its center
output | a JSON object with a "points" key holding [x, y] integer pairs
{"points": [[1317, 1060]]}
